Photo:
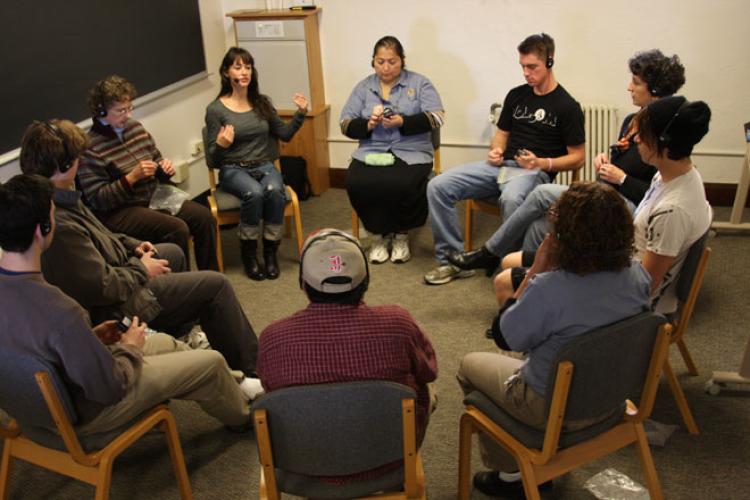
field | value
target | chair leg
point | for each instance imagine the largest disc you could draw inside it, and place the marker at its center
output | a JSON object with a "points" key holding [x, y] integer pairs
{"points": [[355, 224], [5, 468], [466, 430], [679, 397], [689, 363], [298, 229], [644, 453], [169, 428], [287, 227], [219, 252], [528, 477], [104, 478], [468, 224]]}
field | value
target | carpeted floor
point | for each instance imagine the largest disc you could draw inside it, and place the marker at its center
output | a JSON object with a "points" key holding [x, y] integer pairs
{"points": [[222, 465]]}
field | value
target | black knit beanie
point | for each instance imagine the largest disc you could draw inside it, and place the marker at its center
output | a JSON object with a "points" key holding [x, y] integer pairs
{"points": [[678, 123]]}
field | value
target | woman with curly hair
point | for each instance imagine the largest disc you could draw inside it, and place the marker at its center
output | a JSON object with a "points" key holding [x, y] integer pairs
{"points": [[582, 278]]}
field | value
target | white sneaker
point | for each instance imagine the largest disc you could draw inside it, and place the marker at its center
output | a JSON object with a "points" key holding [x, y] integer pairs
{"points": [[400, 250], [378, 249], [251, 388]]}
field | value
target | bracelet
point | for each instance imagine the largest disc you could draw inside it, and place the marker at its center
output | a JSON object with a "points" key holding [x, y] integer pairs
{"points": [[549, 164], [622, 181]]}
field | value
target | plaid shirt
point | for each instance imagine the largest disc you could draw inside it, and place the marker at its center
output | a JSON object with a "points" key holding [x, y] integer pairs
{"points": [[328, 343]]}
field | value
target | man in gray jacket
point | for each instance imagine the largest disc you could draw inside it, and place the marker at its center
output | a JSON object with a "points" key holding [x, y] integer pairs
{"points": [[113, 275]]}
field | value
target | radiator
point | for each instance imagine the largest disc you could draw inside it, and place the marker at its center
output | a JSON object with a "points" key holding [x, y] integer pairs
{"points": [[601, 128]]}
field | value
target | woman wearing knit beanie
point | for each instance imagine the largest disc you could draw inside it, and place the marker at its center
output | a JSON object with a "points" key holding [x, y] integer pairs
{"points": [[674, 213]]}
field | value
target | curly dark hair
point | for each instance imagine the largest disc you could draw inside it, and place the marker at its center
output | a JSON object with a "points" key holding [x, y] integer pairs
{"points": [[593, 228], [663, 75], [108, 91], [260, 102]]}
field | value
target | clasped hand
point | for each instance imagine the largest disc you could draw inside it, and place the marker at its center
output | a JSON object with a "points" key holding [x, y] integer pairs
{"points": [[378, 118]]}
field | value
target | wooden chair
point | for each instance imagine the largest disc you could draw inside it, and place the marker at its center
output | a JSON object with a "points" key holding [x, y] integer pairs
{"points": [[33, 393], [305, 432], [490, 206], [597, 372], [687, 288], [225, 208], [435, 137]]}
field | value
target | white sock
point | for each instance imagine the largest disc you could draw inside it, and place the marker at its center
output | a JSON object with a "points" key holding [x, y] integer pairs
{"points": [[251, 388], [509, 477]]}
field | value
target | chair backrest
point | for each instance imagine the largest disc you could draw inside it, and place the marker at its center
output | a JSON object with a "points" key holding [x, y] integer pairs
{"points": [[610, 365], [20, 396], [209, 161], [689, 268], [335, 429], [435, 138]]}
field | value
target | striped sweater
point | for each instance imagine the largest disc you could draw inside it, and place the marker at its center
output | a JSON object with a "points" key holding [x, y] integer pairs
{"points": [[102, 168]]}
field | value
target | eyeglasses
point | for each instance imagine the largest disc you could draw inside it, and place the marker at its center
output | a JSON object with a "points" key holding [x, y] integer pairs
{"points": [[552, 214], [122, 111]]}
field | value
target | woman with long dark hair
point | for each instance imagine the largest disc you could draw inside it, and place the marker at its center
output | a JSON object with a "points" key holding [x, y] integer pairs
{"points": [[243, 132]]}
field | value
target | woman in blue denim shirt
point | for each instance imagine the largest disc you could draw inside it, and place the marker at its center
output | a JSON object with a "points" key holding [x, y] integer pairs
{"points": [[392, 113]]}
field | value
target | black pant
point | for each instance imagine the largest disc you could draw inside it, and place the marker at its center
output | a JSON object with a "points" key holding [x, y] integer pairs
{"points": [[207, 298], [389, 199], [158, 227]]}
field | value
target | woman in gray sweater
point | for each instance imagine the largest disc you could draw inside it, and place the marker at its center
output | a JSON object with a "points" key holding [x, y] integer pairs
{"points": [[243, 131]]}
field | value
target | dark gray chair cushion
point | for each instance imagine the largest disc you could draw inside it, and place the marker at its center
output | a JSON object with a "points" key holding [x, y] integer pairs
{"points": [[690, 267]]}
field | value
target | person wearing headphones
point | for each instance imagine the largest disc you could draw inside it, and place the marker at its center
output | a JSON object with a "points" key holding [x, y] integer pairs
{"points": [[121, 171], [653, 76], [113, 275], [392, 113], [113, 375], [243, 130], [673, 213], [371, 343], [539, 133]]}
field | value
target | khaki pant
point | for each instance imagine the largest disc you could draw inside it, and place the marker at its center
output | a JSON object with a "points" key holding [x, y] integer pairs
{"points": [[171, 370]]}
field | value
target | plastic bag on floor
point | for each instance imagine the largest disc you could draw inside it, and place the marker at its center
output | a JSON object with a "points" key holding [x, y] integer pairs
{"points": [[657, 433], [611, 484]]}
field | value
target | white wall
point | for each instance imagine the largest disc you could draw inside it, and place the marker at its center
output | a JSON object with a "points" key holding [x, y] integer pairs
{"points": [[468, 50]]}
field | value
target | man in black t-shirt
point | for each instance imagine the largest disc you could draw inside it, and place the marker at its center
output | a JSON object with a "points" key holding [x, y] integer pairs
{"points": [[540, 132]]}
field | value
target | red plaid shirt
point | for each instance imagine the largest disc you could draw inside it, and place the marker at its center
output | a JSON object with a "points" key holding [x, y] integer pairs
{"points": [[327, 343]]}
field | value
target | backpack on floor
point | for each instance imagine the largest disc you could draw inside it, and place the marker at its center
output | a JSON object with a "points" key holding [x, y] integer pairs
{"points": [[294, 172]]}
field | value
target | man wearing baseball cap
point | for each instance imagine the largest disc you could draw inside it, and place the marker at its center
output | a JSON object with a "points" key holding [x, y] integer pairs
{"points": [[339, 338]]}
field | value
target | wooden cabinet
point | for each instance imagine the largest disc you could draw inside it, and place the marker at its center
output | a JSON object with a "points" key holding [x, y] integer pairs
{"points": [[286, 47]]}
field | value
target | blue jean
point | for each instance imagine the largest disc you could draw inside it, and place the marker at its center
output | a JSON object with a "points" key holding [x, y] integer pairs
{"points": [[509, 237], [262, 200], [528, 226], [476, 180]]}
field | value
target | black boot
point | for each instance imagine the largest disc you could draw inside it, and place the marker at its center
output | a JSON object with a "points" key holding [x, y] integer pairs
{"points": [[269, 257], [253, 269], [475, 259]]}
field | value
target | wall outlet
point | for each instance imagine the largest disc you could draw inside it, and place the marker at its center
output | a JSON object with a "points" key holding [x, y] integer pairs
{"points": [[181, 172], [197, 148]]}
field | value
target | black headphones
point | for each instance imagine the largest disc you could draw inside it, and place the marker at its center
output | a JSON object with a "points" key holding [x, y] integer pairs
{"points": [[549, 59], [322, 235], [45, 227], [68, 158], [664, 137], [101, 111]]}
